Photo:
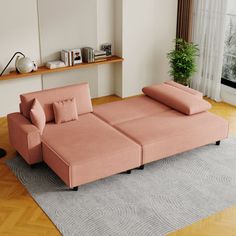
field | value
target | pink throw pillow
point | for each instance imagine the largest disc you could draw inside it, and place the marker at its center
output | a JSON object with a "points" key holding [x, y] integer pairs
{"points": [[65, 111], [37, 115]]}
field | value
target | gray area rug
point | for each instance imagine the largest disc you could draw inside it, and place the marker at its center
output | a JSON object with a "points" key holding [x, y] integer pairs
{"points": [[167, 195]]}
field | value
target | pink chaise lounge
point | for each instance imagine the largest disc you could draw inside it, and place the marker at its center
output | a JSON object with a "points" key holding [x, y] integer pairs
{"points": [[114, 137]]}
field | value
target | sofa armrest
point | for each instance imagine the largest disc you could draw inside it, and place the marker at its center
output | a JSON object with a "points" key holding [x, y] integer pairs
{"points": [[25, 138]]}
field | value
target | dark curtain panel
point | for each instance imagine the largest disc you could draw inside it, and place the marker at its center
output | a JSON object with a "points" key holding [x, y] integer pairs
{"points": [[184, 19]]}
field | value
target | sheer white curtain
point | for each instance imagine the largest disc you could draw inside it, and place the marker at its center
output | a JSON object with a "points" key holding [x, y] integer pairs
{"points": [[209, 33]]}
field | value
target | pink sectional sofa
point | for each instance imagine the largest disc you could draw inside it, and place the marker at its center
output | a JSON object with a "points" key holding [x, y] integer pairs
{"points": [[115, 137]]}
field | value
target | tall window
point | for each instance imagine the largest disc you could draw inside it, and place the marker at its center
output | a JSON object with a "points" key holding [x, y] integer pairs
{"points": [[229, 65]]}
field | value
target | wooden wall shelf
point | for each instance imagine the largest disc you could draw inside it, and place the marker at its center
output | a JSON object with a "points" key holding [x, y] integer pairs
{"points": [[44, 70]]}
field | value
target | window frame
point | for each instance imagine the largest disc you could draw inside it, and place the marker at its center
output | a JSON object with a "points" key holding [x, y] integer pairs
{"points": [[228, 83], [224, 81]]}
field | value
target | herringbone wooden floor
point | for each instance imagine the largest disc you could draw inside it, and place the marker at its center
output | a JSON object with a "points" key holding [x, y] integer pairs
{"points": [[20, 215]]}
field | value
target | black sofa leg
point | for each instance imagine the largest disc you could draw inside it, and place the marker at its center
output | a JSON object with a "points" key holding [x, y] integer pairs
{"points": [[75, 188], [2, 153], [141, 167], [218, 143], [128, 172], [33, 166]]}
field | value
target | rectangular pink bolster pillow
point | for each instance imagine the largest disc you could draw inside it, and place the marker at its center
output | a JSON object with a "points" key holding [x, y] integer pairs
{"points": [[184, 88], [177, 99]]}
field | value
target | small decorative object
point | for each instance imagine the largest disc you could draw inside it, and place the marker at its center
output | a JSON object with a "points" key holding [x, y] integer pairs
{"points": [[182, 61], [11, 61], [2, 153], [24, 65], [107, 47], [76, 56], [55, 64], [35, 66]]}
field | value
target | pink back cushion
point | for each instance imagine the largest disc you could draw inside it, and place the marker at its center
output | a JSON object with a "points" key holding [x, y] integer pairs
{"points": [[177, 99], [47, 97], [65, 111], [37, 116], [184, 88]]}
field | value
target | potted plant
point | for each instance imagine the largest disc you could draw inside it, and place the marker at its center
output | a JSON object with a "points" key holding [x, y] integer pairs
{"points": [[182, 61]]}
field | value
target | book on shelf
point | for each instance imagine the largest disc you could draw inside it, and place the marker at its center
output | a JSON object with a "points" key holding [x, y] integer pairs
{"points": [[71, 57], [66, 57], [88, 54], [100, 57], [99, 53]]}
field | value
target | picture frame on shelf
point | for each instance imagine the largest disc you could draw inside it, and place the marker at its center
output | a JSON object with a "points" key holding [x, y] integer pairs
{"points": [[107, 47], [76, 56]]}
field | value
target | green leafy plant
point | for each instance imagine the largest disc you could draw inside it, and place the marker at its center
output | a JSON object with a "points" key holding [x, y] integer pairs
{"points": [[183, 61]]}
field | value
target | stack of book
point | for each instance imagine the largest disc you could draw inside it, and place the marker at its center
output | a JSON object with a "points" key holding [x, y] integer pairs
{"points": [[91, 55], [88, 54], [100, 55]]}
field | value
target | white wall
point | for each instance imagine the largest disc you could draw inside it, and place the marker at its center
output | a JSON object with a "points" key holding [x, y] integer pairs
{"points": [[141, 31], [119, 47], [71, 24], [106, 34], [19, 32], [149, 28], [60, 24]]}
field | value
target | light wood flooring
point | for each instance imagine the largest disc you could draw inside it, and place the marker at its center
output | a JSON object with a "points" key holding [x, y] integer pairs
{"points": [[20, 214]]}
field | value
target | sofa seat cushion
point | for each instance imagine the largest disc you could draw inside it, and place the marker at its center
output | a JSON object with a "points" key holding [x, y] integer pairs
{"points": [[172, 132], [130, 109], [88, 149]]}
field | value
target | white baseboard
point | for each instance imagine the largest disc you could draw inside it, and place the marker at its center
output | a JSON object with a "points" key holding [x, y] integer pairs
{"points": [[228, 94]]}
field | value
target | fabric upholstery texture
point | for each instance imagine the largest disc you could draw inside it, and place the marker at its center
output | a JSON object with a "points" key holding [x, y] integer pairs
{"points": [[167, 195], [88, 149], [130, 109], [25, 138], [117, 136], [20, 108], [172, 132], [177, 99], [37, 116], [185, 88], [65, 111], [47, 97]]}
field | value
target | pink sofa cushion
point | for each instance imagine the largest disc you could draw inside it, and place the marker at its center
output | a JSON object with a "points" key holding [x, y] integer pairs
{"points": [[37, 116], [47, 97], [172, 132], [184, 88], [65, 111], [88, 149], [129, 109], [177, 99]]}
